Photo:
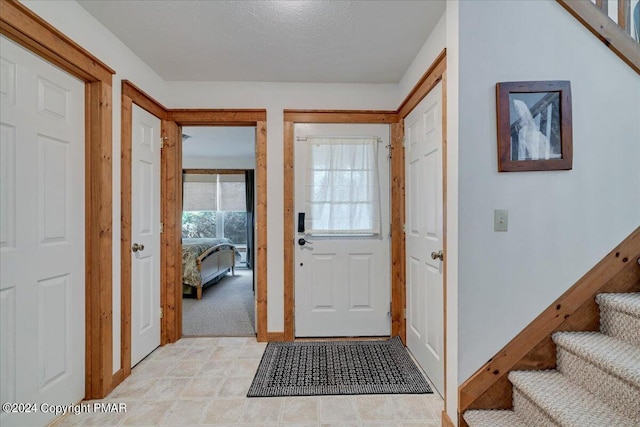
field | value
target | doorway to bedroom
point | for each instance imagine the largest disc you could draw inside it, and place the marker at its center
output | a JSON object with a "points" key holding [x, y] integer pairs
{"points": [[218, 208]]}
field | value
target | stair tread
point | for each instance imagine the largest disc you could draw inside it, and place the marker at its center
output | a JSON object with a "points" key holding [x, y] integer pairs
{"points": [[626, 302], [493, 418], [607, 353], [564, 401]]}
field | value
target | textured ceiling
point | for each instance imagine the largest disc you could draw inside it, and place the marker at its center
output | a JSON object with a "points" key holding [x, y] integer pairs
{"points": [[278, 41], [219, 142]]}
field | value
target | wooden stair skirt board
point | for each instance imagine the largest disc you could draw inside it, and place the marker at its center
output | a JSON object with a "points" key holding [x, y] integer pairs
{"points": [[596, 381], [534, 347]]}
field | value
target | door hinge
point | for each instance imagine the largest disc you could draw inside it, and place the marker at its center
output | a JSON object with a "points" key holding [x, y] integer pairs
{"points": [[404, 228], [161, 313], [161, 142], [404, 141], [404, 313], [161, 227]]}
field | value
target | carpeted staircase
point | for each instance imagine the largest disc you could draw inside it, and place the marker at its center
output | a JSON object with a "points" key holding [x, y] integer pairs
{"points": [[596, 382]]}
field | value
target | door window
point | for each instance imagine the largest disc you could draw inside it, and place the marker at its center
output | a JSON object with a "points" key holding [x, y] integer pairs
{"points": [[342, 186]]}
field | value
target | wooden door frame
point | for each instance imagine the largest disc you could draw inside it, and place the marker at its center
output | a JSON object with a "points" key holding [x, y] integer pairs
{"points": [[227, 117], [133, 95], [436, 73], [433, 75], [291, 117], [171, 209], [30, 31]]}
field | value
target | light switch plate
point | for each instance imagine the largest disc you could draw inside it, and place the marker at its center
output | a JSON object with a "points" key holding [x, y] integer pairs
{"points": [[500, 220]]}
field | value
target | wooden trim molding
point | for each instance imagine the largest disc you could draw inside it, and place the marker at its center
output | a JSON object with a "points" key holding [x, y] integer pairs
{"points": [[261, 228], [289, 245], [143, 100], [398, 267], [117, 378], [446, 421], [125, 232], [214, 171], [340, 116], [33, 33], [429, 79], [276, 337], [533, 348], [212, 117], [604, 28], [291, 117], [99, 239], [171, 238]]}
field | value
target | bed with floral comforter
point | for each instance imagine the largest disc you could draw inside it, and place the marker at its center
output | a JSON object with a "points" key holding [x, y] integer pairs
{"points": [[205, 261]]}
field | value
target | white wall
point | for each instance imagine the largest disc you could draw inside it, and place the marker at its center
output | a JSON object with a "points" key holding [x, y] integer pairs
{"points": [[561, 223], [218, 162], [75, 22], [432, 47]]}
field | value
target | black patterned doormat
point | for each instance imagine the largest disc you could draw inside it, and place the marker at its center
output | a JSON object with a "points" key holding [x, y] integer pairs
{"points": [[337, 367]]}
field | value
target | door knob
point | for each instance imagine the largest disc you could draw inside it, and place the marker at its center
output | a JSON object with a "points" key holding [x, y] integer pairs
{"points": [[302, 241], [437, 255], [136, 247]]}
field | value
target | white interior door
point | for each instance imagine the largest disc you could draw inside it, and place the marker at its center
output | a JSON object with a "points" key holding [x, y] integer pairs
{"points": [[423, 181], [342, 282], [145, 234], [42, 243]]}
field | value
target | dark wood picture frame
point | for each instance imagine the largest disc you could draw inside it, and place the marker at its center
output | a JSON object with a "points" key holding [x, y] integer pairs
{"points": [[534, 126]]}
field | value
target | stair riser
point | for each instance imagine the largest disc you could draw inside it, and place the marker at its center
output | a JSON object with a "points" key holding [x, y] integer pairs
{"points": [[495, 418], [610, 389], [620, 325], [529, 412]]}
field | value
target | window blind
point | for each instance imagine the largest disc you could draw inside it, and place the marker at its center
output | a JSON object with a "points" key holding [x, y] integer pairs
{"points": [[200, 192]]}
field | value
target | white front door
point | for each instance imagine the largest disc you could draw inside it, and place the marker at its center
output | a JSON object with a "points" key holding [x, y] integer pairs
{"points": [[42, 236], [145, 234], [342, 279], [423, 181]]}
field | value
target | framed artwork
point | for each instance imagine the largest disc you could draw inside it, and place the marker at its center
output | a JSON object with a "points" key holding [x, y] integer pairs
{"points": [[534, 126]]}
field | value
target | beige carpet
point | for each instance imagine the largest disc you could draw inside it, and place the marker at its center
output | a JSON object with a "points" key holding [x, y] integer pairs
{"points": [[596, 382], [225, 310]]}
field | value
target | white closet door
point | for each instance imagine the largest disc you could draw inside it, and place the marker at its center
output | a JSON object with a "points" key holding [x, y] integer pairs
{"points": [[42, 236], [145, 234], [424, 207]]}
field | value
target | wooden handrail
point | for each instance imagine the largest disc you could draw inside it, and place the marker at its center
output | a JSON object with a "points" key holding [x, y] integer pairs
{"points": [[615, 35]]}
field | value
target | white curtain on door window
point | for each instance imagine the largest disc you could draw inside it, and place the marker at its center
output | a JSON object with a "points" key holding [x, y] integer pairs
{"points": [[343, 189]]}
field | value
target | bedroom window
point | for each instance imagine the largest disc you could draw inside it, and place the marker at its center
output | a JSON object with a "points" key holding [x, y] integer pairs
{"points": [[214, 205], [343, 190]]}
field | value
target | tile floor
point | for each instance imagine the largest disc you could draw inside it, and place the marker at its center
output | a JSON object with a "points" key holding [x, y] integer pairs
{"points": [[204, 381]]}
